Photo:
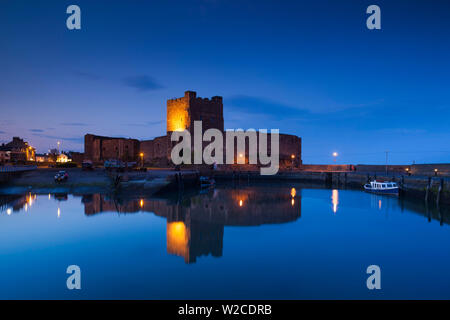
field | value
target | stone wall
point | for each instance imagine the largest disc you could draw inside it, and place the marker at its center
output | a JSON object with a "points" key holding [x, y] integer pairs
{"points": [[178, 113], [182, 112], [327, 167], [156, 151], [99, 148], [443, 169]]}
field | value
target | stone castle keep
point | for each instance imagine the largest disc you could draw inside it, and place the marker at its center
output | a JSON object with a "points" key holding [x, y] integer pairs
{"points": [[181, 114]]}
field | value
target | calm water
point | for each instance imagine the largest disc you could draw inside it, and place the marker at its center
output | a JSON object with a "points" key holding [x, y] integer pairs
{"points": [[269, 242]]}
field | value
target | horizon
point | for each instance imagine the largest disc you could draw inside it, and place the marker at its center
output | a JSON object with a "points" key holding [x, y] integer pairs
{"points": [[312, 70]]}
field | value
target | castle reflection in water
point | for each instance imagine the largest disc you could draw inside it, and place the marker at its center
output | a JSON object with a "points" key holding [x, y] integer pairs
{"points": [[195, 224], [196, 221]]}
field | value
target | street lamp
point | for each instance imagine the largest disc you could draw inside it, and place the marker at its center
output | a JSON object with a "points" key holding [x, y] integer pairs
{"points": [[435, 172], [142, 159], [335, 154]]}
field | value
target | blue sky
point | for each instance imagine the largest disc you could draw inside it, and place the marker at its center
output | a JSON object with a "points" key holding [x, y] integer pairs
{"points": [[310, 68]]}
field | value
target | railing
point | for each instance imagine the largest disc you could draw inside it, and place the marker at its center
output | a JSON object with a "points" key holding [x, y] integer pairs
{"points": [[17, 168]]}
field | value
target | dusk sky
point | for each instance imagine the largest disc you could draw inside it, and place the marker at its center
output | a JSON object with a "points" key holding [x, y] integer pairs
{"points": [[310, 68]]}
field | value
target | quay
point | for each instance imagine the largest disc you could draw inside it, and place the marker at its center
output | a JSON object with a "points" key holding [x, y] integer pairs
{"points": [[429, 187]]}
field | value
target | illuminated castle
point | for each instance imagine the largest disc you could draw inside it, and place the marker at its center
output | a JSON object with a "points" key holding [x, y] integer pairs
{"points": [[181, 114]]}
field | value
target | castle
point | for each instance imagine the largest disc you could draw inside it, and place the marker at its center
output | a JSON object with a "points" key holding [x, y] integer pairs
{"points": [[181, 114]]}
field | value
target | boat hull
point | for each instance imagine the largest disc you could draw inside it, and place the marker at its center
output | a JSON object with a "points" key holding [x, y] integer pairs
{"points": [[393, 191]]}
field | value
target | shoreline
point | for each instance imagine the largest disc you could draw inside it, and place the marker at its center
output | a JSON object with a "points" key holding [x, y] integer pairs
{"points": [[427, 188]]}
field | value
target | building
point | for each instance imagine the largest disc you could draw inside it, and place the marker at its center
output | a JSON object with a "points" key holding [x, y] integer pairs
{"points": [[99, 148], [181, 114], [17, 151], [63, 158], [5, 155]]}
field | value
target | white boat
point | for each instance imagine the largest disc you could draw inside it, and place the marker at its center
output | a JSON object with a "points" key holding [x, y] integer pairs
{"points": [[381, 187]]}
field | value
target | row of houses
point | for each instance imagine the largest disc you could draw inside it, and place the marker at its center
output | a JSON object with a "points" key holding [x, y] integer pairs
{"points": [[19, 151]]}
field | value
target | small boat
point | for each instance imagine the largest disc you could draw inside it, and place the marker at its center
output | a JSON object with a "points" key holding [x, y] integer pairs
{"points": [[381, 187]]}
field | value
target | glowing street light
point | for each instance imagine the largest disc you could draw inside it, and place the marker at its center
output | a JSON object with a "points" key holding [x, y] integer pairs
{"points": [[293, 192], [335, 154], [142, 158]]}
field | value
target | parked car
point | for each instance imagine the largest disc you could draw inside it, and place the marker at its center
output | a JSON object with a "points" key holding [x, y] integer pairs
{"points": [[87, 165], [61, 176]]}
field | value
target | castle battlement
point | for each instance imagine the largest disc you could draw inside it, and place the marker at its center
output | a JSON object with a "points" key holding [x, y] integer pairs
{"points": [[182, 112]]}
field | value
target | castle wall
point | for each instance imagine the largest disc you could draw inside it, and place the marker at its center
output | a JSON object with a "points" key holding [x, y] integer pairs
{"points": [[178, 115], [182, 112], [209, 111], [156, 151], [290, 145], [99, 149]]}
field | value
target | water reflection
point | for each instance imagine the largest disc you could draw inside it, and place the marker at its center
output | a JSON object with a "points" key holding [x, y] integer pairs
{"points": [[195, 223], [335, 199]]}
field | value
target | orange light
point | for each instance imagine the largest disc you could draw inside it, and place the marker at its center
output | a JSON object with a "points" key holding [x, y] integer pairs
{"points": [[292, 202], [178, 239], [407, 169], [240, 155], [141, 203], [142, 155], [292, 156], [293, 192], [435, 170], [241, 203]]}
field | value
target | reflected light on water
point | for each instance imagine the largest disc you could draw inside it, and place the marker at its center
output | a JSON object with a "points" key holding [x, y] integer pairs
{"points": [[141, 203], [292, 202], [177, 238], [8, 211], [59, 212], [335, 199], [379, 204]]}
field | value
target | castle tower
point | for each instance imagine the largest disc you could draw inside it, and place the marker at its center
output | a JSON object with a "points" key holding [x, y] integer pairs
{"points": [[182, 112]]}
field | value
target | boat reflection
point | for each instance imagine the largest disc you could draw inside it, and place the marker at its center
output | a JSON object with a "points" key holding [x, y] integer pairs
{"points": [[195, 223]]}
